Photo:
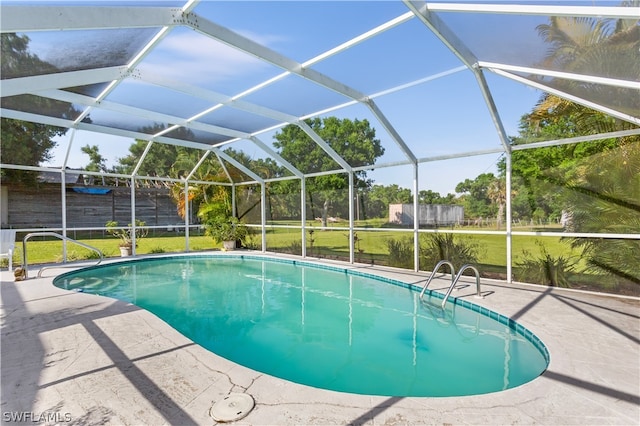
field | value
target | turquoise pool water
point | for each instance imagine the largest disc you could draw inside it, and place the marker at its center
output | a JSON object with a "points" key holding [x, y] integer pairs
{"points": [[325, 327]]}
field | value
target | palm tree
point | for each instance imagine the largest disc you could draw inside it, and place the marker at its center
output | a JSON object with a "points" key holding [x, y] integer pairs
{"points": [[591, 46], [604, 198], [497, 193], [602, 184]]}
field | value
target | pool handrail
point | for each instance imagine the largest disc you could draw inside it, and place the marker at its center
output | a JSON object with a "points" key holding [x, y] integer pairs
{"points": [[454, 281], [433, 273], [25, 268]]}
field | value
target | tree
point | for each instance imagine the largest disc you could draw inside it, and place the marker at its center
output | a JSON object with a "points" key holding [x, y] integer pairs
{"points": [[475, 198], [96, 160], [355, 141], [162, 159], [199, 194], [378, 198], [497, 193], [597, 182], [583, 46], [604, 197], [431, 197], [26, 144], [592, 46], [23, 142], [17, 61], [158, 162], [210, 200]]}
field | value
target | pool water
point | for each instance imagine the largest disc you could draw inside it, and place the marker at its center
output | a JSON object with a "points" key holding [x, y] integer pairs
{"points": [[324, 327]]}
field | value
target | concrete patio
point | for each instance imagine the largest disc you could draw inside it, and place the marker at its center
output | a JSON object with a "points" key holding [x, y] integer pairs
{"points": [[80, 359]]}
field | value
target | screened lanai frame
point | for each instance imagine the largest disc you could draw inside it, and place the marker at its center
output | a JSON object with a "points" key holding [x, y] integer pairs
{"points": [[159, 21]]}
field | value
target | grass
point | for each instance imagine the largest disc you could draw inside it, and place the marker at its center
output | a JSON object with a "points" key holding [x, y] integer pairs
{"points": [[50, 251], [492, 247], [371, 245]]}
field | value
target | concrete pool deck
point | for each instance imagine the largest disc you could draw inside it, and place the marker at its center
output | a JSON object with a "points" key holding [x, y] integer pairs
{"points": [[80, 359]]}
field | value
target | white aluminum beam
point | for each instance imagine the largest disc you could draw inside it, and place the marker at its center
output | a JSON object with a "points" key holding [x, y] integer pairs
{"points": [[576, 99], [442, 31], [537, 9], [419, 81], [247, 107], [282, 178], [325, 146], [36, 118], [359, 39], [217, 98], [460, 155], [325, 173], [587, 138], [277, 157], [21, 18], [178, 17], [416, 220], [391, 130], [628, 84], [221, 99], [18, 115], [579, 235], [23, 85], [247, 45], [141, 159], [493, 110], [303, 215], [187, 213], [261, 52], [141, 54], [68, 151], [351, 212], [237, 164], [197, 166], [143, 113], [144, 136]]}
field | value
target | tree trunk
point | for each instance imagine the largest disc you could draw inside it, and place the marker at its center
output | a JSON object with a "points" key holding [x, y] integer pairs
{"points": [[325, 211]]}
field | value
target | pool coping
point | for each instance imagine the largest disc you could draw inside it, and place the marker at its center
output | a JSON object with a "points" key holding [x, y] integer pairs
{"points": [[146, 372]]}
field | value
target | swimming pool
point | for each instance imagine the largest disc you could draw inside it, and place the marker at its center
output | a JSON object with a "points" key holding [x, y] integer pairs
{"points": [[323, 326]]}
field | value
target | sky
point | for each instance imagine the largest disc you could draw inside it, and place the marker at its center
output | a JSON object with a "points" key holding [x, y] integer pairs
{"points": [[440, 116]]}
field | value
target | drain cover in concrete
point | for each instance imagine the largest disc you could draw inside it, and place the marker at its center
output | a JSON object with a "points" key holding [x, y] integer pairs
{"points": [[233, 407]]}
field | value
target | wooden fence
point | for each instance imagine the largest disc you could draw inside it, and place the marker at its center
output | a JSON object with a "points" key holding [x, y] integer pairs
{"points": [[41, 206]]}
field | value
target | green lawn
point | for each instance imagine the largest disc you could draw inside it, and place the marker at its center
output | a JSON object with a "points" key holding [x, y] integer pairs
{"points": [[492, 248], [371, 247], [332, 243]]}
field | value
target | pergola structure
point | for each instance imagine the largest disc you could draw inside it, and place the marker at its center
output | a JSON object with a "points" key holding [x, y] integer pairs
{"points": [[149, 70]]}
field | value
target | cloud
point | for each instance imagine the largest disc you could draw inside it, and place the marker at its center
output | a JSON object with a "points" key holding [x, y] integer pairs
{"points": [[196, 58]]}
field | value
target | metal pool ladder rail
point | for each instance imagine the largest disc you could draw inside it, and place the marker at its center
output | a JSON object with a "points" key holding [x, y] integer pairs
{"points": [[454, 281], [50, 234], [433, 273]]}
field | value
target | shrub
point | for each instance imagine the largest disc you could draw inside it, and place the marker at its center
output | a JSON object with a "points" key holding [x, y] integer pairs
{"points": [[73, 256], [546, 269], [295, 247], [400, 252], [126, 234], [444, 246], [226, 229], [251, 241]]}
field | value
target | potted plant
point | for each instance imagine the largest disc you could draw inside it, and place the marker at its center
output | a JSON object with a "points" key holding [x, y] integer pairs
{"points": [[126, 235], [226, 229]]}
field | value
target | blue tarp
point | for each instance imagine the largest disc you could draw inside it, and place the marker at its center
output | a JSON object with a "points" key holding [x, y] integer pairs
{"points": [[95, 191]]}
